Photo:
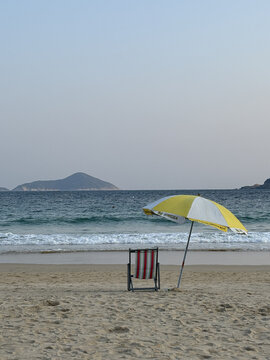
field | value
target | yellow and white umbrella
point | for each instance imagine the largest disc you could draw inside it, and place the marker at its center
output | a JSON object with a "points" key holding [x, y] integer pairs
{"points": [[195, 208]]}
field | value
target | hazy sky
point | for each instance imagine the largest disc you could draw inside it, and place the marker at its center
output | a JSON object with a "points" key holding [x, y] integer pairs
{"points": [[143, 94]]}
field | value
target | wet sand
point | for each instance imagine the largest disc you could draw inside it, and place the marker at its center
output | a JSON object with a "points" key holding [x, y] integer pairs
{"points": [[166, 257]]}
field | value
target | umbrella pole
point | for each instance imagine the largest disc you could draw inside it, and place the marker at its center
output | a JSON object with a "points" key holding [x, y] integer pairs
{"points": [[183, 263]]}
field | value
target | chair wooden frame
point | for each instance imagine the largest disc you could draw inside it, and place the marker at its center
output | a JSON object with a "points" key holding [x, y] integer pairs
{"points": [[149, 269]]}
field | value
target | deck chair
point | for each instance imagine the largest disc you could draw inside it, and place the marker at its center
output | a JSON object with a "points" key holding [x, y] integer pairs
{"points": [[145, 266]]}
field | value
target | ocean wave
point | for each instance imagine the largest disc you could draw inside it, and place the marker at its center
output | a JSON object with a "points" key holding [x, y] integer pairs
{"points": [[258, 218], [211, 241], [96, 219], [107, 219]]}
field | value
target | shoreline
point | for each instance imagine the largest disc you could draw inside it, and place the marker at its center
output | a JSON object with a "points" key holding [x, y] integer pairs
{"points": [[115, 257]]}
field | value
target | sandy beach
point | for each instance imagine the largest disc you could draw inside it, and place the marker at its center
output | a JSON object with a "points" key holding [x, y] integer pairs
{"points": [[85, 312]]}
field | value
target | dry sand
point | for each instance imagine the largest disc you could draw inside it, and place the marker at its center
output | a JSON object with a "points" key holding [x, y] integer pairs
{"points": [[85, 312]]}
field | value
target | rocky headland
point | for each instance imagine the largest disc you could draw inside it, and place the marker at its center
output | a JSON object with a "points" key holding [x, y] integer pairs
{"points": [[266, 185]]}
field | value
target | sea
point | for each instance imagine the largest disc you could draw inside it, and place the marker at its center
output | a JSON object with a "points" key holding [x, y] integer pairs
{"points": [[43, 222]]}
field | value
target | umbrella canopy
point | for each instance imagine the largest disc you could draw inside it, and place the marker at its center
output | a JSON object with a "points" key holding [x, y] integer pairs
{"points": [[195, 208]]}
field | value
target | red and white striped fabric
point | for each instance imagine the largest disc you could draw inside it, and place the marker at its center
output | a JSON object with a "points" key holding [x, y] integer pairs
{"points": [[145, 264]]}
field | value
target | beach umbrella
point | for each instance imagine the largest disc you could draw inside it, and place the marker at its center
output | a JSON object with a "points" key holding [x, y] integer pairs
{"points": [[194, 208]]}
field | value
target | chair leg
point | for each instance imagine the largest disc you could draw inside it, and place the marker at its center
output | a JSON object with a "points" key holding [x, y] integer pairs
{"points": [[155, 280], [128, 277], [158, 277], [156, 288]]}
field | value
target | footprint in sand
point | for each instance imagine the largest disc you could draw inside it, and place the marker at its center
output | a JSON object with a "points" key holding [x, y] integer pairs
{"points": [[119, 329]]}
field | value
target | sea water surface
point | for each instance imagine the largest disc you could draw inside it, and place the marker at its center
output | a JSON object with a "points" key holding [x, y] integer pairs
{"points": [[36, 222]]}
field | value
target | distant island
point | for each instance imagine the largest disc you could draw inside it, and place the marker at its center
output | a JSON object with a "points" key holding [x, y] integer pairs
{"points": [[266, 185], [83, 182], [76, 182], [3, 189]]}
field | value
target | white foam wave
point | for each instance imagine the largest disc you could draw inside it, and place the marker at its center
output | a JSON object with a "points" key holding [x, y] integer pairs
{"points": [[207, 241]]}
